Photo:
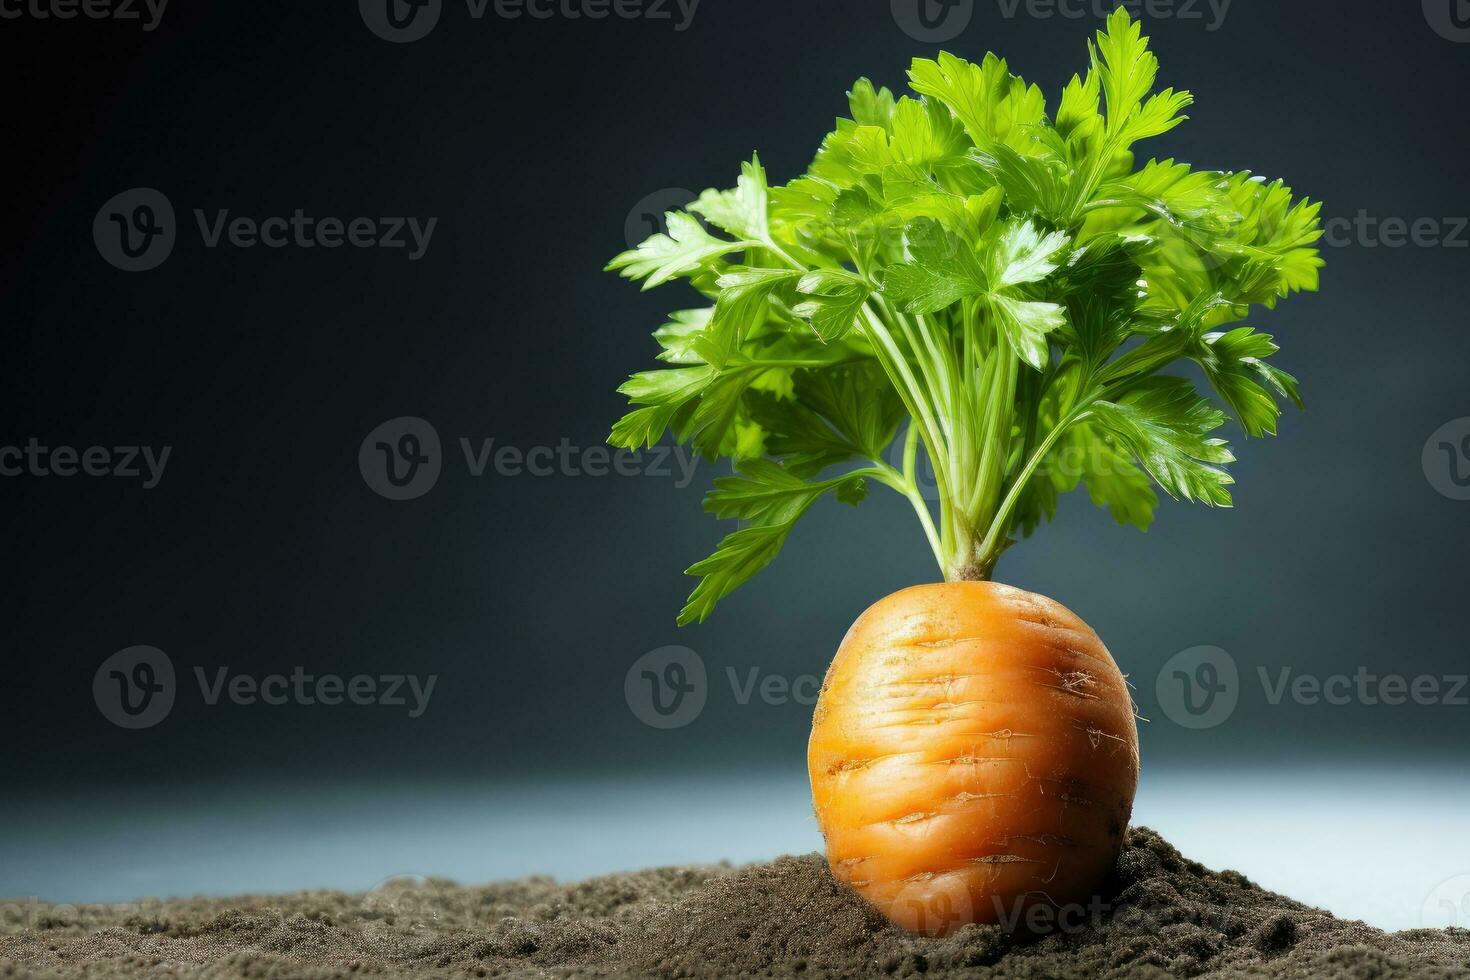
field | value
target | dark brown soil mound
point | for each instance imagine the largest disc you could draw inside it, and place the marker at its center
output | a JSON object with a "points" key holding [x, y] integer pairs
{"points": [[1161, 916]]}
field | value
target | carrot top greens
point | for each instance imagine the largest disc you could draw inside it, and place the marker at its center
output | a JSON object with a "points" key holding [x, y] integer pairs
{"points": [[966, 273]]}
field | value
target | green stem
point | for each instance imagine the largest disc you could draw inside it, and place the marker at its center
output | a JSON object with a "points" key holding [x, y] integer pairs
{"points": [[913, 396], [911, 392], [991, 545]]}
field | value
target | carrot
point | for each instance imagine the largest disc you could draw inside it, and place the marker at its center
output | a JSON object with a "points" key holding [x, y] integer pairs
{"points": [[961, 278], [973, 754]]}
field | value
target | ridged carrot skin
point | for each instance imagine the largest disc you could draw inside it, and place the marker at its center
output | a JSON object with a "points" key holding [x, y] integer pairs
{"points": [[973, 755]]}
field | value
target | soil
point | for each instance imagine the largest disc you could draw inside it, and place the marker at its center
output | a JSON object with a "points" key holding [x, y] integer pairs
{"points": [[1161, 916]]}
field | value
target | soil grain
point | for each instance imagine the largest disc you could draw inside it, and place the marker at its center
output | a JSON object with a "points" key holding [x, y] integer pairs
{"points": [[1160, 916]]}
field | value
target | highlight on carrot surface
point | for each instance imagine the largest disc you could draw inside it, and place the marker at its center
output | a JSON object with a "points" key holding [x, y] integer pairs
{"points": [[1008, 286]]}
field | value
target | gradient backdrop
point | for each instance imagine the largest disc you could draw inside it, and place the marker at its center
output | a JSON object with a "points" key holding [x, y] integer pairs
{"points": [[540, 146]]}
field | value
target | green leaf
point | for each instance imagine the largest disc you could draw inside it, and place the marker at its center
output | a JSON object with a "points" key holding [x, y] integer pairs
{"points": [[1184, 202], [1032, 184], [801, 439], [1100, 283], [742, 306], [1024, 255], [666, 393], [672, 386], [1078, 118], [833, 304], [910, 192], [713, 427], [941, 270], [679, 335], [836, 415], [1276, 236], [743, 212], [993, 105], [1086, 454], [1115, 483], [856, 402], [1256, 247], [761, 491], [925, 134], [1165, 424], [1125, 67], [870, 106], [1235, 363], [1157, 116], [737, 559], [642, 427], [800, 204], [1026, 326], [686, 249], [764, 493]]}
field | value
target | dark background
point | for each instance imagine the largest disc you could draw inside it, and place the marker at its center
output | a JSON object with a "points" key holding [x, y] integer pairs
{"points": [[531, 141]]}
